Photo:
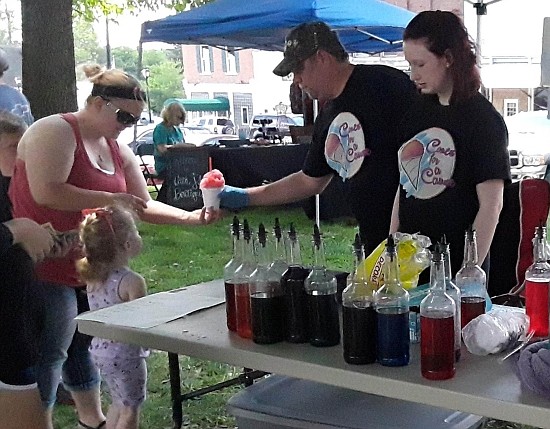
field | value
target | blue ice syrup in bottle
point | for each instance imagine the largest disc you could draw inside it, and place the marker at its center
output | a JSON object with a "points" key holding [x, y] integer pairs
{"points": [[392, 309]]}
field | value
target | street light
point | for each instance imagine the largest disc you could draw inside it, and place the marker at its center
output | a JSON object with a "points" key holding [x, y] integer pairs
{"points": [[146, 73]]}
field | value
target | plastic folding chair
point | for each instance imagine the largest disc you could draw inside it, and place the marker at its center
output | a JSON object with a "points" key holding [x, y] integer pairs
{"points": [[150, 178]]}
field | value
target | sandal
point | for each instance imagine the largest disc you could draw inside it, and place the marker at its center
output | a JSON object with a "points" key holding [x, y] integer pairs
{"points": [[99, 426]]}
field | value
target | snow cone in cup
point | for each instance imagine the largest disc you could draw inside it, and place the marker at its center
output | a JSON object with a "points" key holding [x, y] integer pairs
{"points": [[211, 185]]}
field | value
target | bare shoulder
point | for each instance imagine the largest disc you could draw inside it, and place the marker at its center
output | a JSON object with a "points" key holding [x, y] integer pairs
{"points": [[47, 133], [126, 153], [132, 286]]}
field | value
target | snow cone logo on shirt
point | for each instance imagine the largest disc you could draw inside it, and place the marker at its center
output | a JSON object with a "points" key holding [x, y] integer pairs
{"points": [[426, 163], [345, 145]]}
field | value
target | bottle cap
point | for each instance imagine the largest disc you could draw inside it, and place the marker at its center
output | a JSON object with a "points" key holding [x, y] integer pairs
{"points": [[235, 227], [246, 230], [277, 229], [261, 235]]}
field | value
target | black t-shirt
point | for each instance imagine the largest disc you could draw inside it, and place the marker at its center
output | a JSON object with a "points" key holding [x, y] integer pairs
{"points": [[20, 303], [448, 151], [355, 137]]}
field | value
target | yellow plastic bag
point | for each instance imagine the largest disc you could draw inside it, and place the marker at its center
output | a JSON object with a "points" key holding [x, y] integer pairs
{"points": [[413, 257]]}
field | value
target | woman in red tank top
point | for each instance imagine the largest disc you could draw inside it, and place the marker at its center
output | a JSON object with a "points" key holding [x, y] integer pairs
{"points": [[71, 162]]}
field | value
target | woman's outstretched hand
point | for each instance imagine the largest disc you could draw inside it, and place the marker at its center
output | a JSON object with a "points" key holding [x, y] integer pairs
{"points": [[134, 203]]}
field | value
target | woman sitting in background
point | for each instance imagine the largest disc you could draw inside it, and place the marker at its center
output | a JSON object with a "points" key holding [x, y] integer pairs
{"points": [[167, 135]]}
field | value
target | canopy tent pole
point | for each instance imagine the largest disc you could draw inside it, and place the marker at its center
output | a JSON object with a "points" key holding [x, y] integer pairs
{"points": [[317, 196], [481, 9]]}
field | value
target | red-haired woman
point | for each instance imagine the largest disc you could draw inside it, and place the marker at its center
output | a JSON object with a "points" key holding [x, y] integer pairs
{"points": [[454, 162]]}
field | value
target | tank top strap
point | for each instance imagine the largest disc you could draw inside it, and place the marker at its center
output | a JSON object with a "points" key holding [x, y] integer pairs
{"points": [[113, 145], [73, 122], [116, 279]]}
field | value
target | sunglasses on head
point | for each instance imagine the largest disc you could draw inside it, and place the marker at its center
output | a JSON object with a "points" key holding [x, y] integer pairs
{"points": [[122, 116]]}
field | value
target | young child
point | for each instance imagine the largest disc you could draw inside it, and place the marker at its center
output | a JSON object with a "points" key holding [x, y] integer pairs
{"points": [[110, 239]]}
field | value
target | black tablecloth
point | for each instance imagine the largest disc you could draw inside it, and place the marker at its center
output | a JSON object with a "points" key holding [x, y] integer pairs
{"points": [[244, 167], [254, 165]]}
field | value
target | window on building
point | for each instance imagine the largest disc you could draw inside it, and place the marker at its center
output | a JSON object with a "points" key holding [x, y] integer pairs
{"points": [[511, 106], [230, 63], [244, 115], [205, 59]]}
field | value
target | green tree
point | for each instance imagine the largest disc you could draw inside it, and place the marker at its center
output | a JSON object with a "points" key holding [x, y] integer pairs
{"points": [[164, 82], [86, 44], [48, 45], [125, 58]]}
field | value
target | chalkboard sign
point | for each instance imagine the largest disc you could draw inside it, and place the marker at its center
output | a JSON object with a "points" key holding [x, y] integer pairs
{"points": [[185, 169]]}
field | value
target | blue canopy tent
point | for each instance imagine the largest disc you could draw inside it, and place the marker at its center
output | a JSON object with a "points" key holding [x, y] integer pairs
{"points": [[368, 26]]}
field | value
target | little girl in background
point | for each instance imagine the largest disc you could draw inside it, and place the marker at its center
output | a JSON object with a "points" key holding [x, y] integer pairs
{"points": [[110, 239]]}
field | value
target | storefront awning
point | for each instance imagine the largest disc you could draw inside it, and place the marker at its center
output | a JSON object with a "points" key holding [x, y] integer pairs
{"points": [[218, 104]]}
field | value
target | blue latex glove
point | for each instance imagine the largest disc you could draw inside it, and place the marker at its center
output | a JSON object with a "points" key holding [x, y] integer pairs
{"points": [[234, 198]]}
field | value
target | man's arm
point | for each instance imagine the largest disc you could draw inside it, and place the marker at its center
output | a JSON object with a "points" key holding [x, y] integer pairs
{"points": [[294, 187]]}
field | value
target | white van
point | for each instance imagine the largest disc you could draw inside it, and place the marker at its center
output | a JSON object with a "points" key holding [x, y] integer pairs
{"points": [[529, 144], [217, 124]]}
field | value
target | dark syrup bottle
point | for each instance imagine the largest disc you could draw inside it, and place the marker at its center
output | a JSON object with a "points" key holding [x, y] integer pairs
{"points": [[229, 276], [266, 298], [392, 311], [359, 315], [292, 282], [321, 289]]}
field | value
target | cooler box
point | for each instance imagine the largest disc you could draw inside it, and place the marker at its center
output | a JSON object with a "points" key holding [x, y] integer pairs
{"points": [[279, 402]]}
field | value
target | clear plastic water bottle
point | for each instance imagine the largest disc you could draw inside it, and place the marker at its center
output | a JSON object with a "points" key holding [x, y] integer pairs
{"points": [[322, 306], [537, 280], [472, 281], [358, 313], [392, 312], [437, 325]]}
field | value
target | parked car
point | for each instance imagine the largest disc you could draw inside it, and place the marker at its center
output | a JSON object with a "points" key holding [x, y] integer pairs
{"points": [[529, 144], [191, 134], [217, 124], [270, 126]]}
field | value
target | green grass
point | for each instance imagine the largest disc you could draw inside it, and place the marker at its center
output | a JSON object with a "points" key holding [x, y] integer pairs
{"points": [[180, 256]]}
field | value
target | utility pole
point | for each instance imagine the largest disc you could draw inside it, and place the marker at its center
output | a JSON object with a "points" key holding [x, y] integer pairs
{"points": [[107, 43]]}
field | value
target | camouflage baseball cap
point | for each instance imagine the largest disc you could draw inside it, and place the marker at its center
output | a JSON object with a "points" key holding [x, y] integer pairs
{"points": [[303, 42]]}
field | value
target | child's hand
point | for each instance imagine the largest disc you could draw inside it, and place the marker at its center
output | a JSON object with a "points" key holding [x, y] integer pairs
{"points": [[210, 215]]}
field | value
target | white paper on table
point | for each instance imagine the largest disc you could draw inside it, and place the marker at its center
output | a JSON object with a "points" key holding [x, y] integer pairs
{"points": [[158, 308]]}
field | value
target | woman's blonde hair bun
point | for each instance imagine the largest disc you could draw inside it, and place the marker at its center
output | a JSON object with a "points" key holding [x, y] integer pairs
{"points": [[92, 70]]}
